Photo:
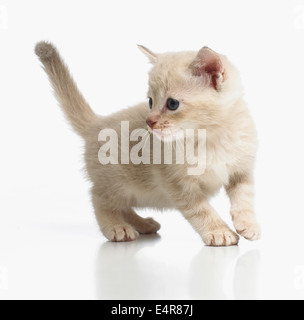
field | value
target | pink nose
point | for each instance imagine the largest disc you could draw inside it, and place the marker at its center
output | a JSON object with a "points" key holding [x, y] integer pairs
{"points": [[152, 121]]}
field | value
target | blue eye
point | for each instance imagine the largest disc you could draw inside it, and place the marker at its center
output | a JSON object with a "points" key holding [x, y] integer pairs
{"points": [[172, 104], [150, 103]]}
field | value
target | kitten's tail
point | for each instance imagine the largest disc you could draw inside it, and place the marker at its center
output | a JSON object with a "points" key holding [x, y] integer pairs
{"points": [[76, 109]]}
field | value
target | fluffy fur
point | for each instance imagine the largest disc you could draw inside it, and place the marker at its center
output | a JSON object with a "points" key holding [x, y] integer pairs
{"points": [[211, 97]]}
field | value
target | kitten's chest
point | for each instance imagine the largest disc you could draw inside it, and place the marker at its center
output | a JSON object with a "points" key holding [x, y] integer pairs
{"points": [[214, 174], [218, 161]]}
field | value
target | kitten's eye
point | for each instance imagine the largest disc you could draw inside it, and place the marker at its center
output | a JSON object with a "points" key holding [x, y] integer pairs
{"points": [[150, 103], [172, 104]]}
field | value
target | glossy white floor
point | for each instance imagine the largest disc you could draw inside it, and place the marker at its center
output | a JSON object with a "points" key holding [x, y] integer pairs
{"points": [[47, 255]]}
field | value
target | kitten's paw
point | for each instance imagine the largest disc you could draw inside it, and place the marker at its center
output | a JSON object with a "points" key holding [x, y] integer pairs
{"points": [[222, 237], [121, 233], [248, 228], [148, 226]]}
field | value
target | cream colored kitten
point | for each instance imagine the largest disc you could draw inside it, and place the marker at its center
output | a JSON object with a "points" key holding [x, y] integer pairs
{"points": [[187, 90]]}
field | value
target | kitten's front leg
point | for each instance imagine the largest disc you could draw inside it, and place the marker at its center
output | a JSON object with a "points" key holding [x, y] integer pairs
{"points": [[208, 224], [240, 192]]}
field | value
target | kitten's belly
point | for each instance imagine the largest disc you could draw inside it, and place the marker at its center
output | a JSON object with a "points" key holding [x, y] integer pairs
{"points": [[207, 185], [152, 199]]}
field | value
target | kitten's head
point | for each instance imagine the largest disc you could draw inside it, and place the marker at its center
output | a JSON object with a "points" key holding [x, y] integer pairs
{"points": [[190, 90]]}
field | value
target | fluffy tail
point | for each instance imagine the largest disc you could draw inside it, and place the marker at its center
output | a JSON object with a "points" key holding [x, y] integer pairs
{"points": [[76, 109]]}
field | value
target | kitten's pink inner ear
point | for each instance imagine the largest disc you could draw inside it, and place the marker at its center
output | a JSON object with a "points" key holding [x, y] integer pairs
{"points": [[148, 53], [208, 62]]}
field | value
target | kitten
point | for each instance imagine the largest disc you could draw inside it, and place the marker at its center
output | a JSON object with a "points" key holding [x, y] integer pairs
{"points": [[187, 90]]}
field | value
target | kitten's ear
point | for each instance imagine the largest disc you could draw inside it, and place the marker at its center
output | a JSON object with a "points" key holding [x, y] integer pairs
{"points": [[148, 53], [208, 62]]}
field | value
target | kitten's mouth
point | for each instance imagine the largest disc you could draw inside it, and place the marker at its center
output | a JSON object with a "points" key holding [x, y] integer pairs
{"points": [[167, 134]]}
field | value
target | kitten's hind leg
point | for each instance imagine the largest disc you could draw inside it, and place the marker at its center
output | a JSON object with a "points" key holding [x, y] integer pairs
{"points": [[143, 226], [111, 222]]}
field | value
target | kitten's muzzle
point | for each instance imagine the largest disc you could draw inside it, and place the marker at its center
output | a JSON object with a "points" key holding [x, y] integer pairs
{"points": [[152, 121]]}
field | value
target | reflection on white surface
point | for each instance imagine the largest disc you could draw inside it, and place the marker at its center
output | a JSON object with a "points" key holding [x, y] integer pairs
{"points": [[70, 260], [246, 275], [208, 272], [54, 254], [122, 274], [119, 274]]}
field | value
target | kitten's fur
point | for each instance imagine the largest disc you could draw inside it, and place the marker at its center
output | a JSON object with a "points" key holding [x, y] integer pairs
{"points": [[211, 97]]}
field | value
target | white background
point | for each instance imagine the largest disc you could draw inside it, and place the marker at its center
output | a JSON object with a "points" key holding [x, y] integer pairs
{"points": [[50, 246]]}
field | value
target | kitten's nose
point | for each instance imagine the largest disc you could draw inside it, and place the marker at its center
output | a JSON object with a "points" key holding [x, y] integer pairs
{"points": [[152, 121]]}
